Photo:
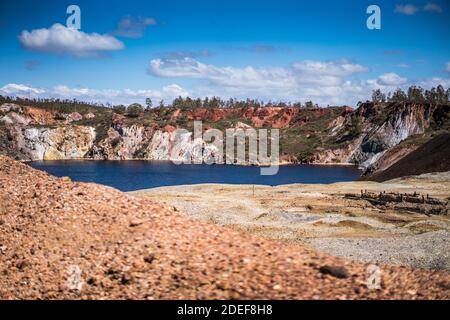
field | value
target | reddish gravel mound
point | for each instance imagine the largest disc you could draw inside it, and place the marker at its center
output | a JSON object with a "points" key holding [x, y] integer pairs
{"points": [[124, 247]]}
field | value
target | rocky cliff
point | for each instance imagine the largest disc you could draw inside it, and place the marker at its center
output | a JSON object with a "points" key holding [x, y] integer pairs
{"points": [[430, 156], [377, 135], [374, 136], [34, 134], [30, 133]]}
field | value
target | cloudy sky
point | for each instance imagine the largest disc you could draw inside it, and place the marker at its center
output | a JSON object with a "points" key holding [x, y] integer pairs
{"points": [[271, 50]]}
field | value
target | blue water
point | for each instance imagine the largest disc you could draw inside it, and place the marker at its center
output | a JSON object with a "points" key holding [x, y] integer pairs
{"points": [[134, 175]]}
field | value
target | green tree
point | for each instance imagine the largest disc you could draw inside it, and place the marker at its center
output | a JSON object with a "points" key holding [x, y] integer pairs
{"points": [[305, 156], [198, 103], [135, 109], [431, 96], [309, 105], [355, 126], [415, 94], [177, 102], [399, 96], [378, 96], [441, 94], [206, 103], [148, 103], [120, 109]]}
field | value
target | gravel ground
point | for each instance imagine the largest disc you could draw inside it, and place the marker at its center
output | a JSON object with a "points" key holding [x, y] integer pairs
{"points": [[318, 216], [429, 250], [66, 240]]}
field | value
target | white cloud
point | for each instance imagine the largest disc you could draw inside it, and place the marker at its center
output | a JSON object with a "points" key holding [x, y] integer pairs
{"points": [[447, 67], [434, 82], [403, 65], [407, 9], [324, 81], [332, 68], [13, 88], [225, 76], [306, 72], [331, 73], [432, 7], [391, 79], [175, 90], [63, 40], [347, 92], [333, 83], [125, 96]]}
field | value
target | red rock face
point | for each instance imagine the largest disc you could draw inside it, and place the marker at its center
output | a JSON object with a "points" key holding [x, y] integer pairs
{"points": [[275, 117], [40, 116], [347, 110], [211, 114], [272, 117]]}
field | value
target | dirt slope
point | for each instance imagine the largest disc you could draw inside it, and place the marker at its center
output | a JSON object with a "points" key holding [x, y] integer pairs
{"points": [[127, 247], [433, 156]]}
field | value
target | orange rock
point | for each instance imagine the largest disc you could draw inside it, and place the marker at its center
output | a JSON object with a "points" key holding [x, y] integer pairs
{"points": [[169, 128], [40, 116]]}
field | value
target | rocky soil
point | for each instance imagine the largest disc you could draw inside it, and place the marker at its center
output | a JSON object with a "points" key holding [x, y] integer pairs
{"points": [[322, 218], [61, 240]]}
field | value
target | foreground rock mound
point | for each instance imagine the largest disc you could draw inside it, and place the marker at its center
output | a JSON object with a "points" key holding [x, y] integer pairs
{"points": [[62, 240]]}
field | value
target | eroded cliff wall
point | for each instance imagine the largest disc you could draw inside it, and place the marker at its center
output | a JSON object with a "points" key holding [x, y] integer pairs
{"points": [[371, 136]]}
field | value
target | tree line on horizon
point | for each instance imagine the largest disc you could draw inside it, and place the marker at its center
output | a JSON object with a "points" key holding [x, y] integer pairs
{"points": [[55, 104], [414, 94]]}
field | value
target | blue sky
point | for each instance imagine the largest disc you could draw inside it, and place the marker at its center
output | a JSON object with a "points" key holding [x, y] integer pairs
{"points": [[277, 50]]}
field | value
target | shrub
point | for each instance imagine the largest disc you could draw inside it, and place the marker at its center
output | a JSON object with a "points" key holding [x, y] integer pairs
{"points": [[355, 127], [60, 116], [305, 156], [120, 109], [115, 142], [134, 110]]}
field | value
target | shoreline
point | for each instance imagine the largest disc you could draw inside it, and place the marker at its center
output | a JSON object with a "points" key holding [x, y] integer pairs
{"points": [[173, 161], [247, 185]]}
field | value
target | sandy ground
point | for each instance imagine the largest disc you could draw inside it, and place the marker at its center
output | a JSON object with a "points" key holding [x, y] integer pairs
{"points": [[318, 216]]}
